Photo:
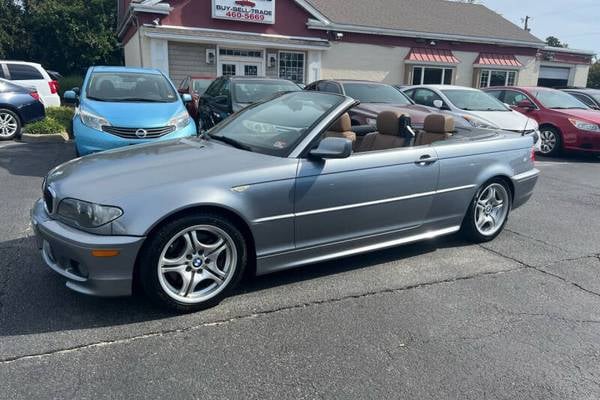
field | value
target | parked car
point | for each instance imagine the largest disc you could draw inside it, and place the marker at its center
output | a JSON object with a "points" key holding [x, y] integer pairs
{"points": [[476, 106], [195, 86], [229, 94], [589, 97], [565, 122], [122, 106], [275, 186], [374, 98], [18, 106], [32, 75]]}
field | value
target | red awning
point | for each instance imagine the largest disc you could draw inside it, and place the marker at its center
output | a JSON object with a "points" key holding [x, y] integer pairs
{"points": [[503, 60], [432, 56]]}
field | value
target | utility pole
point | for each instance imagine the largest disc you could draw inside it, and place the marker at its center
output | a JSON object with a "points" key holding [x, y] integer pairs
{"points": [[526, 22]]}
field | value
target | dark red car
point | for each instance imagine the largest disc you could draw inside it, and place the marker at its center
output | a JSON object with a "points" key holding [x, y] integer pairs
{"points": [[565, 122], [195, 86]]}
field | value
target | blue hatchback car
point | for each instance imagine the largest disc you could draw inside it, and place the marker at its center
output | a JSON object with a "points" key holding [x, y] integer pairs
{"points": [[121, 106]]}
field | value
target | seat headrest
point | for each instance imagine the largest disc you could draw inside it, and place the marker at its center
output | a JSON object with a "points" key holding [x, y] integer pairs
{"points": [[342, 124], [388, 122], [438, 123]]}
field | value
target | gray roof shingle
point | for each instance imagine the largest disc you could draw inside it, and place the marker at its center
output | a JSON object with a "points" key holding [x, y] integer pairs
{"points": [[424, 16]]}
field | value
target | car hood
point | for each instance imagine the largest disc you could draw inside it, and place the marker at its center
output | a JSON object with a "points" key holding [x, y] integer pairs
{"points": [[509, 120], [588, 115], [135, 115], [417, 113], [106, 177]]}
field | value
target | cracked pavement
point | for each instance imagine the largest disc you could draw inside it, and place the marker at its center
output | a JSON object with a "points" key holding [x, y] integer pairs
{"points": [[518, 317]]}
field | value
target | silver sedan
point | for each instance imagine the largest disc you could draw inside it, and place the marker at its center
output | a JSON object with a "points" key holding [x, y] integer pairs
{"points": [[283, 183]]}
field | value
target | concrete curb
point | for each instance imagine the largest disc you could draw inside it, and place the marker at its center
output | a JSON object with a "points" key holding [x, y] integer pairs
{"points": [[54, 138]]}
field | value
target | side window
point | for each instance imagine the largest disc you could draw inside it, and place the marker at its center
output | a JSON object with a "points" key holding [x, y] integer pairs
{"points": [[224, 89], [495, 93], [184, 85], [2, 71], [512, 98], [425, 97], [20, 72], [331, 87], [321, 86], [214, 88], [312, 86], [410, 93], [584, 99]]}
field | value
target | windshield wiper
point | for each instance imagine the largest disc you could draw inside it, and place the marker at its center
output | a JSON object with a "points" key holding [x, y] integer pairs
{"points": [[138, 99], [96, 98], [231, 142]]}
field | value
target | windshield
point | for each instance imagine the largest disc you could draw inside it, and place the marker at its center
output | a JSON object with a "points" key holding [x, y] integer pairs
{"points": [[254, 91], [474, 100], [375, 93], [274, 127], [199, 86], [558, 100], [130, 87]]}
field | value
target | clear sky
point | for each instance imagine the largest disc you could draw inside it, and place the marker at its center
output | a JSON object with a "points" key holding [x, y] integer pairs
{"points": [[576, 22]]}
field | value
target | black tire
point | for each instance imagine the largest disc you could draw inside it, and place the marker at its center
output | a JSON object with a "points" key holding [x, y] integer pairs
{"points": [[153, 249], [469, 228], [546, 135], [14, 118]]}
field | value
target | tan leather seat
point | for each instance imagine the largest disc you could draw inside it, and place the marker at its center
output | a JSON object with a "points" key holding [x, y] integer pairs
{"points": [[342, 128], [387, 135], [436, 127]]}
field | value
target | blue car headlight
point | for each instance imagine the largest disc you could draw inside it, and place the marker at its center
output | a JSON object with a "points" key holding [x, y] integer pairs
{"points": [[181, 120], [92, 120], [87, 215]]}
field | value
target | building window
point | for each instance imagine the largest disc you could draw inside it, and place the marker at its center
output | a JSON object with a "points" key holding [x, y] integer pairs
{"points": [[291, 66], [489, 78], [432, 76], [240, 53]]}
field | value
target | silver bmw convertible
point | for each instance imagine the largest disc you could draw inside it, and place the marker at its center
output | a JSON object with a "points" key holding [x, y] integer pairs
{"points": [[281, 184]]}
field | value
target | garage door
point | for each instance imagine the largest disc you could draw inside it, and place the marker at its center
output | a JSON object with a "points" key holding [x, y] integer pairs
{"points": [[554, 76]]}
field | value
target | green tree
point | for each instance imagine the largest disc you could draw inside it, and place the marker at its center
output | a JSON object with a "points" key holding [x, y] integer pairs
{"points": [[69, 36], [594, 76], [13, 37], [555, 42]]}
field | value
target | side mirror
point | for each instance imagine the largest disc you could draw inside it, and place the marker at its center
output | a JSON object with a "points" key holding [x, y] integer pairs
{"points": [[71, 97], [332, 147], [186, 97], [439, 104], [526, 104]]}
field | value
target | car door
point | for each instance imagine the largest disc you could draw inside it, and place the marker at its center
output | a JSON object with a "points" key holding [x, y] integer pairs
{"points": [[210, 109], [515, 99], [367, 194]]}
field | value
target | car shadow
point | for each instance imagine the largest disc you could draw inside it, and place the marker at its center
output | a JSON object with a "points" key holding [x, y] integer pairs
{"points": [[34, 159], [34, 299], [572, 157]]}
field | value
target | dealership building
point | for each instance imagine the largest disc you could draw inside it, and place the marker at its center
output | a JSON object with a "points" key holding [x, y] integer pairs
{"points": [[393, 41]]}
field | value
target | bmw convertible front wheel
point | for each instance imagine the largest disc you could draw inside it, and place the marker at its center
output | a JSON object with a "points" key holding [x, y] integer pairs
{"points": [[488, 212], [193, 263]]}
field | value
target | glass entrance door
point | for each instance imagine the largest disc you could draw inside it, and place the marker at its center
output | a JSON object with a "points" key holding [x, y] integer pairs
{"points": [[240, 68]]}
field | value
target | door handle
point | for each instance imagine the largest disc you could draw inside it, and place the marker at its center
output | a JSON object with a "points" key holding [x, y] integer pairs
{"points": [[426, 159]]}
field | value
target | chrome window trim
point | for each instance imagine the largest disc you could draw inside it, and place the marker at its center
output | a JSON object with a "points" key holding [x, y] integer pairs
{"points": [[358, 205]]}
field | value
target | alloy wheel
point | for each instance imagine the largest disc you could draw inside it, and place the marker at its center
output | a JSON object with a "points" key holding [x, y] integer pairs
{"points": [[549, 141], [197, 264], [8, 125], [491, 209]]}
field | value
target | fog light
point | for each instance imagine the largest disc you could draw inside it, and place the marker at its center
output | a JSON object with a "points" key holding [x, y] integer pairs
{"points": [[105, 253]]}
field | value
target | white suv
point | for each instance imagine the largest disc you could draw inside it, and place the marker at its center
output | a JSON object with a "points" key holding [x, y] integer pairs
{"points": [[32, 75]]}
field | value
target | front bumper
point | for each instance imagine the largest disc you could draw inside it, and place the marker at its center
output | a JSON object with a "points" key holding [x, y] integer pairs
{"points": [[523, 185], [68, 251], [90, 140], [583, 141]]}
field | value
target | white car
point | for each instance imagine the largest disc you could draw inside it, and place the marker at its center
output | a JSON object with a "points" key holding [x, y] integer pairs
{"points": [[32, 75], [476, 106]]}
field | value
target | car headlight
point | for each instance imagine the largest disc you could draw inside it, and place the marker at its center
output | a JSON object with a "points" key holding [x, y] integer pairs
{"points": [[180, 121], [92, 120], [478, 123], [584, 125], [86, 214]]}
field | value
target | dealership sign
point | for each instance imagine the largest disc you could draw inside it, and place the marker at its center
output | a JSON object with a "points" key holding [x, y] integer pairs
{"points": [[259, 11]]}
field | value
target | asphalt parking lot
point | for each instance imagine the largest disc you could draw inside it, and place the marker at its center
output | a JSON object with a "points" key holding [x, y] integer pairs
{"points": [[516, 318]]}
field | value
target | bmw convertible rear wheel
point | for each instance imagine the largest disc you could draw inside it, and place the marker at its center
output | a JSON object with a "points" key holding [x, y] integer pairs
{"points": [[192, 263], [488, 212], [10, 124]]}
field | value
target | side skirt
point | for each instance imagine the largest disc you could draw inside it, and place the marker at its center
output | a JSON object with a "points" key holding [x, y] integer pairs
{"points": [[297, 258]]}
